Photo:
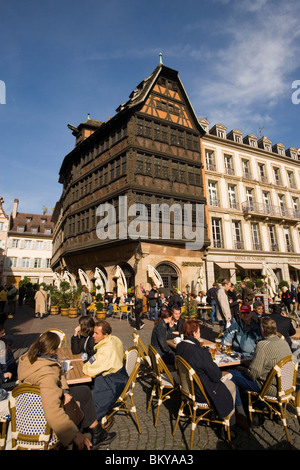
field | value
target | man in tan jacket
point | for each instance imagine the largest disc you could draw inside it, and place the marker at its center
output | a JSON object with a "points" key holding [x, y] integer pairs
{"points": [[106, 368]]}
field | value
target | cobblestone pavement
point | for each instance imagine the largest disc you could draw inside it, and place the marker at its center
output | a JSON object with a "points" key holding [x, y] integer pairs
{"points": [[25, 328]]}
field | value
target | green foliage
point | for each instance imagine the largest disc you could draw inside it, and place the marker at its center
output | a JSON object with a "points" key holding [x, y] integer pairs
{"points": [[282, 284], [99, 304]]}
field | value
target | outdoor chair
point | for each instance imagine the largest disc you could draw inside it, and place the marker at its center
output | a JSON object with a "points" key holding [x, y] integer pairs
{"points": [[125, 403], [284, 375], [164, 382], [124, 312], [190, 409], [61, 334], [4, 419], [29, 427], [146, 366], [115, 310]]}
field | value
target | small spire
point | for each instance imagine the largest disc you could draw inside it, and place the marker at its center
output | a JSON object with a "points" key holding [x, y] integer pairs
{"points": [[88, 116], [160, 58]]}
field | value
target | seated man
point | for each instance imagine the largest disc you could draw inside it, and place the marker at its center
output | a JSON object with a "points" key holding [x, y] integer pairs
{"points": [[160, 336], [114, 300], [176, 326], [106, 368], [268, 353], [258, 310], [244, 333], [283, 323]]}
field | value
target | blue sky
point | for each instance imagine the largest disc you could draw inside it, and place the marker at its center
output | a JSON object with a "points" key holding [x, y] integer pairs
{"points": [[63, 59]]}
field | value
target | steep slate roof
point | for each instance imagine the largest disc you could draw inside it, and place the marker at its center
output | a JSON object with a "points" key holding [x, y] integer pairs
{"points": [[21, 220], [136, 98]]}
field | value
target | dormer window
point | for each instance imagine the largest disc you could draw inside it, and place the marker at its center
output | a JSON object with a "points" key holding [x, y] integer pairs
{"points": [[21, 228]]}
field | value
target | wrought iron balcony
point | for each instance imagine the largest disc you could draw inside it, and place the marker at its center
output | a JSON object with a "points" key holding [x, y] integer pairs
{"points": [[238, 245], [262, 209]]}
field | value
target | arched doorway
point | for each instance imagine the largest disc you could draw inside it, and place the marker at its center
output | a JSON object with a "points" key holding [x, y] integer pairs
{"points": [[168, 275]]}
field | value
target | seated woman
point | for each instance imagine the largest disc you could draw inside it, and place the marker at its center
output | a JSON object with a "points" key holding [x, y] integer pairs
{"points": [[160, 335], [8, 365], [222, 394], [40, 366], [82, 342]]}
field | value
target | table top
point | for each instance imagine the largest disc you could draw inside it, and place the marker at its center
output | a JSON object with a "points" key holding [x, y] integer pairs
{"points": [[75, 374], [222, 360], [65, 353]]}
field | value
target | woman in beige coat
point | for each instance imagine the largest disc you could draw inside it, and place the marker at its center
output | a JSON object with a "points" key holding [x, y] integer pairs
{"points": [[41, 366], [40, 302]]}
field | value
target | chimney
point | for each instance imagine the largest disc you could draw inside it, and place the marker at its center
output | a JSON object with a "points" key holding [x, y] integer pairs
{"points": [[15, 208]]}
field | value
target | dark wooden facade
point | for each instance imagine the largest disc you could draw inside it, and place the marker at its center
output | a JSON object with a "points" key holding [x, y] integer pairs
{"points": [[150, 152]]}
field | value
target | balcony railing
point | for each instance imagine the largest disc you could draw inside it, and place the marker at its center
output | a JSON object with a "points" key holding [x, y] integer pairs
{"points": [[214, 202], [270, 210], [238, 245]]}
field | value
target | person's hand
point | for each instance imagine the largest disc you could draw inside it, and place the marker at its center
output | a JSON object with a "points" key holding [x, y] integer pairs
{"points": [[7, 375], [67, 398], [76, 331], [82, 441]]}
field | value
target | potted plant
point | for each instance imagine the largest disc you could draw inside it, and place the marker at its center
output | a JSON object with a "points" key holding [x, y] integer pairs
{"points": [[64, 297], [54, 300], [74, 302], [100, 312]]}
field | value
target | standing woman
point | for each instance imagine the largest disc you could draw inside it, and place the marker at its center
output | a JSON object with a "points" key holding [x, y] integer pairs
{"points": [[41, 366], [40, 302], [138, 307]]}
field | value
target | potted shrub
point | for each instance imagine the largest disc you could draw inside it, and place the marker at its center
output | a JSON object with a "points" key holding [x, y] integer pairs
{"points": [[100, 312], [64, 298], [54, 300], [74, 302]]}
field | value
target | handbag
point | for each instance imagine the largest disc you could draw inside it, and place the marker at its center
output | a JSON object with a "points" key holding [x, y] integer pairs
{"points": [[74, 411]]}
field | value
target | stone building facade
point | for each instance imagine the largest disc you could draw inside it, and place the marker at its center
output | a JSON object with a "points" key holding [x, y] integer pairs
{"points": [[144, 165], [253, 196]]}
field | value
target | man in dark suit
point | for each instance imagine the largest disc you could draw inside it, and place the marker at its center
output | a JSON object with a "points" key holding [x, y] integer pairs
{"points": [[284, 324]]}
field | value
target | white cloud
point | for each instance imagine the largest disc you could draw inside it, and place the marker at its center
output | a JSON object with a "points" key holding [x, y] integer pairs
{"points": [[251, 72]]}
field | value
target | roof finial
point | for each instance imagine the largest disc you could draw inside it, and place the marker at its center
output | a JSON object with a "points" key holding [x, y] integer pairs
{"points": [[160, 58]]}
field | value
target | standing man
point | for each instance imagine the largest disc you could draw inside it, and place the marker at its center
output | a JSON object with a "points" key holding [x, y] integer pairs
{"points": [[153, 303], [286, 299], [211, 299], [247, 294], [40, 302], [107, 369], [223, 307]]}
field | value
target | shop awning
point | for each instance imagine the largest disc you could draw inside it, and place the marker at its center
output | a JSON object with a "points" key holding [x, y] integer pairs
{"points": [[295, 266], [226, 265], [254, 266]]}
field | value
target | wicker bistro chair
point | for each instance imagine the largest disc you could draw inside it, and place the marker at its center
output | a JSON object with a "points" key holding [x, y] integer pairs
{"points": [[285, 375], [163, 380], [125, 402], [29, 427], [189, 407], [124, 312], [4, 419], [61, 334], [146, 366], [115, 310]]}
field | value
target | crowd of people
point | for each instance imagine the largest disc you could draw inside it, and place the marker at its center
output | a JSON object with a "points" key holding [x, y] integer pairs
{"points": [[243, 322]]}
